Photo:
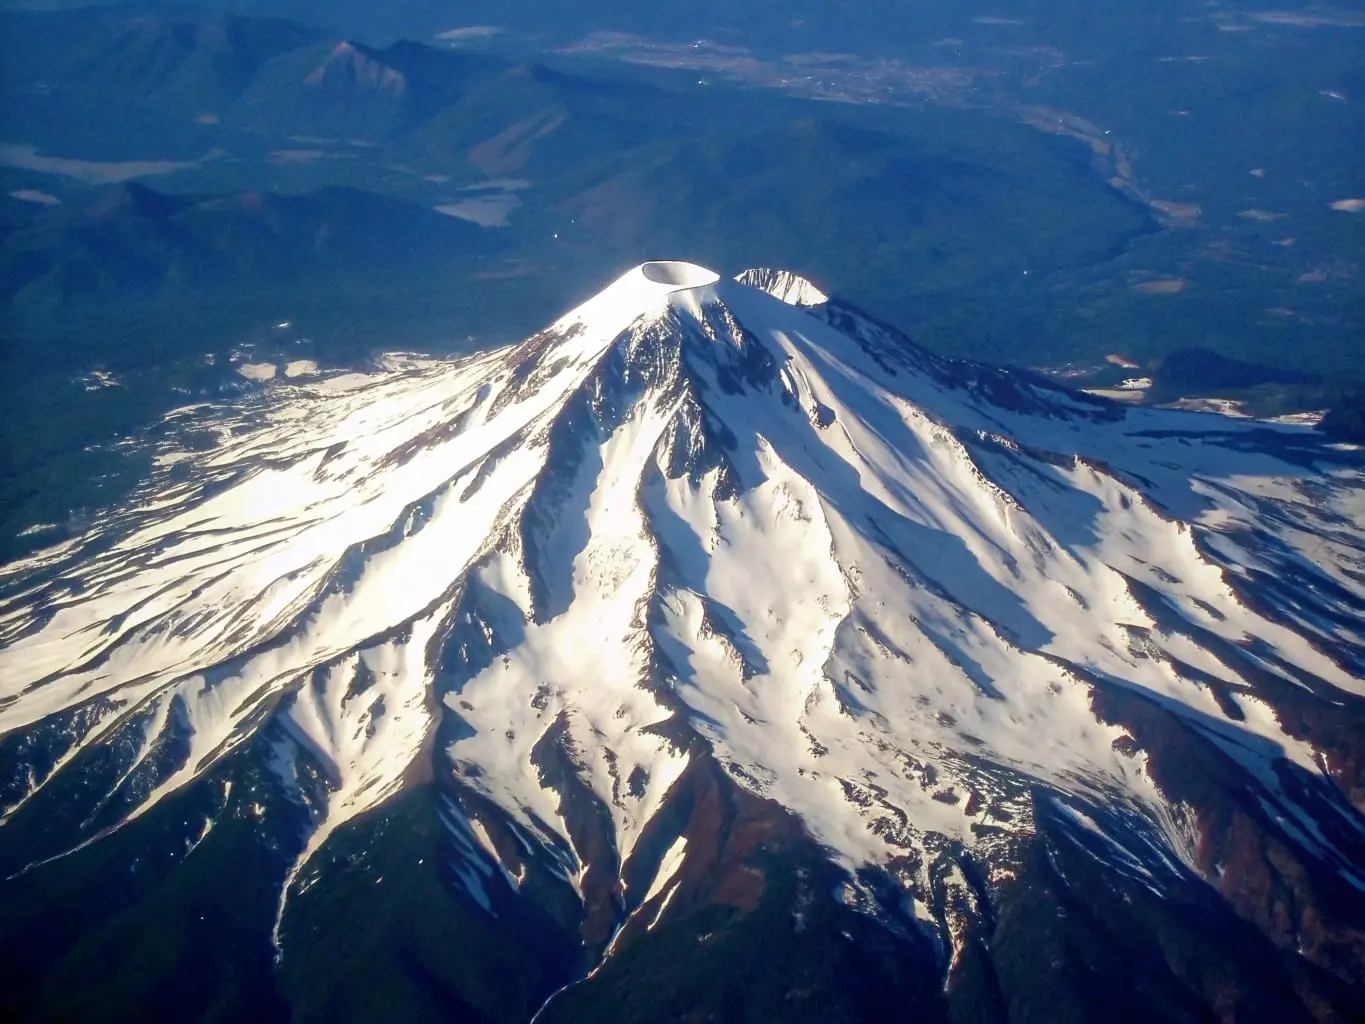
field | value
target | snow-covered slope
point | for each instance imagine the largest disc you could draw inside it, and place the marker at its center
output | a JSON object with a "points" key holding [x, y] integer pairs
{"points": [[918, 603]]}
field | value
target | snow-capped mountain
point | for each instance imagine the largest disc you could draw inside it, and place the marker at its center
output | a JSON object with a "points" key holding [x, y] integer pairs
{"points": [[710, 571]]}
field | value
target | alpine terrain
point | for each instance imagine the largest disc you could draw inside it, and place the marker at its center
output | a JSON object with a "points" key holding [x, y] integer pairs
{"points": [[716, 653]]}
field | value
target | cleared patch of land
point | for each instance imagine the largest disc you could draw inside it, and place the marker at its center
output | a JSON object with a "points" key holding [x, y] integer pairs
{"points": [[1161, 286], [94, 172]]}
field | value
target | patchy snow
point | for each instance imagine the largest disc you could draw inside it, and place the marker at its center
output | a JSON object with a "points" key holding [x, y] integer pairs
{"points": [[663, 906]]}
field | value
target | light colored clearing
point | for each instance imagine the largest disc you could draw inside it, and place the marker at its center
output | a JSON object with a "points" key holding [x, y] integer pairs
{"points": [[1136, 384], [1115, 359], [1301, 419], [456, 35], [96, 380], [37, 528], [485, 211], [1320, 18], [1116, 394], [990, 19], [1257, 172], [1183, 212], [510, 150], [818, 57], [1262, 215], [509, 273], [1349, 205], [206, 119], [94, 172], [300, 368], [302, 156], [32, 195], [257, 371], [1334, 270], [500, 184], [1221, 406], [1161, 286]]}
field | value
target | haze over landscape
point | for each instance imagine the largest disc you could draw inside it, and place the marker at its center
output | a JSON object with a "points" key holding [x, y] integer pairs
{"points": [[728, 512]]}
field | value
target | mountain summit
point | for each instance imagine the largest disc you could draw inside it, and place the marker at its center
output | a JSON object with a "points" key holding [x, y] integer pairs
{"points": [[715, 618]]}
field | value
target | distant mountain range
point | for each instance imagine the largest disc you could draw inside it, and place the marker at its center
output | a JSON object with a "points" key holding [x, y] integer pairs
{"points": [[879, 27], [282, 81], [600, 166], [129, 242]]}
